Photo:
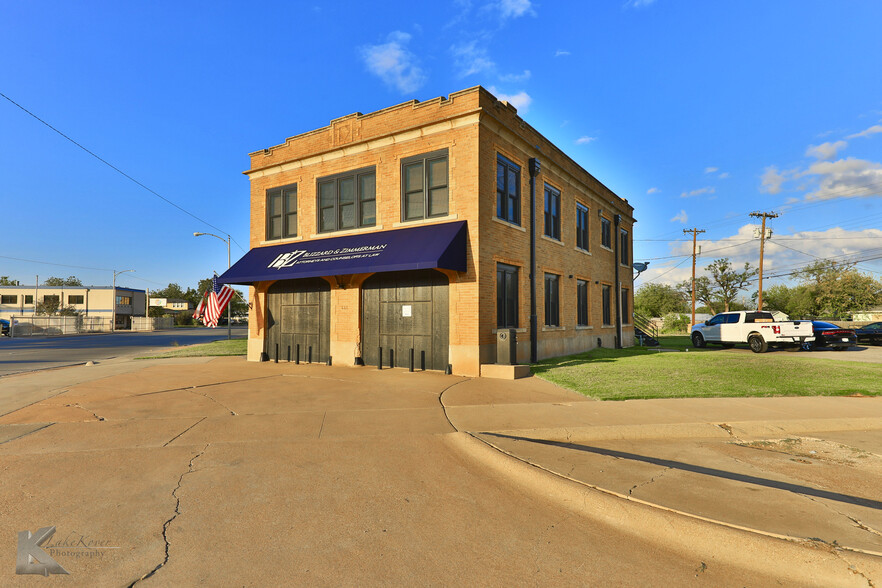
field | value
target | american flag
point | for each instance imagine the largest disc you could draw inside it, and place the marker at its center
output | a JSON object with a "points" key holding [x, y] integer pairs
{"points": [[218, 298], [200, 310]]}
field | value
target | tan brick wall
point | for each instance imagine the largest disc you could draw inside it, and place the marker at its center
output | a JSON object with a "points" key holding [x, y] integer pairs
{"points": [[473, 127]]}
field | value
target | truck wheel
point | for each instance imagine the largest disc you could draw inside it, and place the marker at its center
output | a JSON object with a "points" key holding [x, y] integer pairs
{"points": [[757, 344], [698, 340]]}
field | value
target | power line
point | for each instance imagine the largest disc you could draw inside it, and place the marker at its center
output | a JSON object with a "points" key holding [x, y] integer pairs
{"points": [[118, 170]]}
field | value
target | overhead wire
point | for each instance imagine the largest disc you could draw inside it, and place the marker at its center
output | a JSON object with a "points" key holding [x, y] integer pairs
{"points": [[121, 172]]}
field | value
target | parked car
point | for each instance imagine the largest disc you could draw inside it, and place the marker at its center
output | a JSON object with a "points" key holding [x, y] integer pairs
{"points": [[869, 334], [4, 327], [830, 335], [756, 328]]}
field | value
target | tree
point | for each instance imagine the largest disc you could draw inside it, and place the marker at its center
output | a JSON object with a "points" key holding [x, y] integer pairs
{"points": [[172, 291], [68, 281], [5, 281], [51, 305], [838, 289], [658, 300], [704, 293], [727, 281]]}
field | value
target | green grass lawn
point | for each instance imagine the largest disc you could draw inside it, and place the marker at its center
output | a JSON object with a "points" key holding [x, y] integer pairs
{"points": [[215, 348], [641, 372]]}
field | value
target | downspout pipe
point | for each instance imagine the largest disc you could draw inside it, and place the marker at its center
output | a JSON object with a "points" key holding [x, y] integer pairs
{"points": [[618, 294], [534, 167]]}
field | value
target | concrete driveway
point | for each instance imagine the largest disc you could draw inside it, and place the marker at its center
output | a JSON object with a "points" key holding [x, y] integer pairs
{"points": [[223, 472]]}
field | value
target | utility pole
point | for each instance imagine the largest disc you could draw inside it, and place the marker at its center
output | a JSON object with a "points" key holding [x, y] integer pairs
{"points": [[764, 215], [695, 233]]}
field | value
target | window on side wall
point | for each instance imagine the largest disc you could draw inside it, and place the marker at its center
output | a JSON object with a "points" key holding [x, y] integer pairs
{"points": [[506, 296], [552, 212], [76, 299], [9, 299], [347, 201], [582, 227], [281, 212], [606, 232], [424, 186], [623, 249], [626, 315], [582, 303], [508, 190], [552, 300], [606, 301]]}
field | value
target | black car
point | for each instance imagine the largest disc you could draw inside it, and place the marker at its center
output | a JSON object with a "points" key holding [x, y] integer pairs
{"points": [[830, 335], [870, 334]]}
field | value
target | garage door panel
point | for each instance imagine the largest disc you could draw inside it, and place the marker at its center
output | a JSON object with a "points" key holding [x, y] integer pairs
{"points": [[298, 312], [386, 299]]}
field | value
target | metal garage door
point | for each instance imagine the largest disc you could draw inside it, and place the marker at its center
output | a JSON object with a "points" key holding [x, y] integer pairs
{"points": [[403, 311], [299, 312]]}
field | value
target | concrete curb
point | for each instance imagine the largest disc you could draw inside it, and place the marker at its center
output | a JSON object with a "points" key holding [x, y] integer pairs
{"points": [[696, 430], [808, 563]]}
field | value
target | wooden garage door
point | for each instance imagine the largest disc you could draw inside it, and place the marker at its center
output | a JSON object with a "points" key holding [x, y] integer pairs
{"points": [[403, 311], [299, 312]]}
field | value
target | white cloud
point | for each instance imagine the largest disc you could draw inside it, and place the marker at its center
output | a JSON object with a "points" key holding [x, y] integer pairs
{"points": [[681, 218], [699, 192], [710, 170], [638, 3], [772, 180], [723, 175], [515, 8], [845, 178], [470, 58], [521, 100], [561, 53], [867, 132], [393, 63], [653, 190], [825, 150], [512, 78], [584, 140]]}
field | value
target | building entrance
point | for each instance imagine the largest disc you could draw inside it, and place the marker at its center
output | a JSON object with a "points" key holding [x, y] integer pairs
{"points": [[299, 313]]}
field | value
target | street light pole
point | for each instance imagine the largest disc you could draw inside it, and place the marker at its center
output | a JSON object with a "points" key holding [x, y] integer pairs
{"points": [[230, 303], [113, 297]]}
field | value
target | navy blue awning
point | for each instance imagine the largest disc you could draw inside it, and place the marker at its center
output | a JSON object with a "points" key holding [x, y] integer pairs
{"points": [[426, 246]]}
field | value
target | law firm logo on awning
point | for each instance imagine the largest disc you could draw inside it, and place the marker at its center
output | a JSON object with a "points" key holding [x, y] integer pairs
{"points": [[287, 259], [31, 559]]}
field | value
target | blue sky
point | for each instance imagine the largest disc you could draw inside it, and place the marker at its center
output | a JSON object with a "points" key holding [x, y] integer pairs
{"points": [[697, 112]]}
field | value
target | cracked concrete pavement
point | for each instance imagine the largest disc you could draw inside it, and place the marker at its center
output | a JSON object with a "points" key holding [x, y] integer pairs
{"points": [[223, 472]]}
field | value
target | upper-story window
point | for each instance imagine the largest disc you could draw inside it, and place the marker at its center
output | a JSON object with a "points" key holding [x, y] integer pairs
{"points": [[582, 227], [347, 201], [424, 186], [76, 299], [508, 190], [623, 249], [552, 212], [281, 212], [606, 232], [9, 299]]}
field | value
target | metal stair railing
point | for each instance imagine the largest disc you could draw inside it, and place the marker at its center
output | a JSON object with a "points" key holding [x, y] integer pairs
{"points": [[645, 325]]}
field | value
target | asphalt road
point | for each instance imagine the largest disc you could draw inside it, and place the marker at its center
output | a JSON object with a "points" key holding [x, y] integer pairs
{"points": [[27, 354]]}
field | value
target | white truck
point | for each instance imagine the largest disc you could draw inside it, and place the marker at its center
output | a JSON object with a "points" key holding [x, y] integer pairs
{"points": [[754, 327]]}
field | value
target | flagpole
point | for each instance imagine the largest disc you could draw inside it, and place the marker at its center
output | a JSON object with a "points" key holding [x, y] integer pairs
{"points": [[230, 305]]}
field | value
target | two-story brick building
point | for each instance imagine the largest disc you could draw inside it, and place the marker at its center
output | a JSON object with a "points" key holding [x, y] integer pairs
{"points": [[430, 226]]}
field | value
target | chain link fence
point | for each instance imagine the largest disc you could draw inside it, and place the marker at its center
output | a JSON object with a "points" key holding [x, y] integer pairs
{"points": [[42, 326]]}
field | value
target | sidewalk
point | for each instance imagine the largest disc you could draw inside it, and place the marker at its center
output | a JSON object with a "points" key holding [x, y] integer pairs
{"points": [[369, 476]]}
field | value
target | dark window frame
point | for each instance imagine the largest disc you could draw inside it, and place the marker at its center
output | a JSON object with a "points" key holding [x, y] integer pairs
{"points": [[76, 299], [606, 304], [359, 201], [284, 214], [552, 300], [511, 211], [606, 232], [51, 298], [28, 298], [552, 212], [582, 303], [425, 159], [5, 298], [624, 298], [507, 302], [624, 249], [582, 227]]}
